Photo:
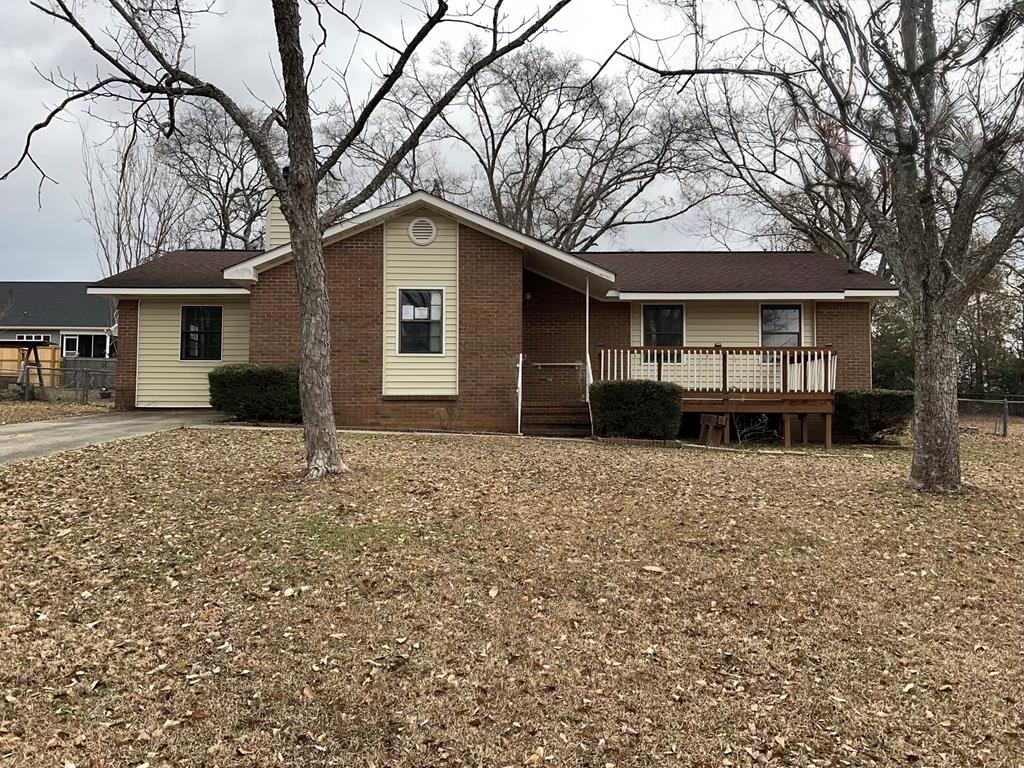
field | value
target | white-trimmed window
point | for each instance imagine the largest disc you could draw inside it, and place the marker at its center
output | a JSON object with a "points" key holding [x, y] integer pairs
{"points": [[780, 325], [44, 337], [92, 345], [201, 332], [420, 321], [663, 325]]}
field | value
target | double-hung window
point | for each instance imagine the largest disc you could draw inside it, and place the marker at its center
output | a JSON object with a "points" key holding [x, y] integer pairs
{"points": [[780, 325], [663, 325], [420, 321], [201, 329]]}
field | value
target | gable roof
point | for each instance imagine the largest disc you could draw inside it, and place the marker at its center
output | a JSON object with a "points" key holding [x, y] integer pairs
{"points": [[186, 270], [736, 272], [627, 275], [249, 269], [45, 304]]}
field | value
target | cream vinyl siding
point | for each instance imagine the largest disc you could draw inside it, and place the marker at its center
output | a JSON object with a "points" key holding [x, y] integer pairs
{"points": [[163, 379], [407, 265], [276, 232], [729, 323]]}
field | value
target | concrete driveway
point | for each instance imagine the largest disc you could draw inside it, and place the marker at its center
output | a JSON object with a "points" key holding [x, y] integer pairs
{"points": [[41, 438]]}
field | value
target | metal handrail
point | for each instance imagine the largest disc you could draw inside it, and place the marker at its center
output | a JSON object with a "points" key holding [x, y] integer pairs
{"points": [[519, 395]]}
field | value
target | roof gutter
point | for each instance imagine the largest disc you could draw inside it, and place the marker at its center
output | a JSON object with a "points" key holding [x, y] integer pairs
{"points": [[102, 291], [752, 295]]}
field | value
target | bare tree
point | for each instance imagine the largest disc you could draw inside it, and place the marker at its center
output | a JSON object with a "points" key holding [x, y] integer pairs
{"points": [[218, 164], [796, 174], [144, 62], [135, 207], [555, 151], [926, 95]]}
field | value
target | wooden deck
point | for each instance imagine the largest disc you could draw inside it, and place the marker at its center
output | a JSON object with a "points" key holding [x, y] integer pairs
{"points": [[790, 381]]}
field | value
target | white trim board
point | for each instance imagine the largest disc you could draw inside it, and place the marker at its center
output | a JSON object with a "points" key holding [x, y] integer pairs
{"points": [[248, 270], [168, 291], [734, 296]]}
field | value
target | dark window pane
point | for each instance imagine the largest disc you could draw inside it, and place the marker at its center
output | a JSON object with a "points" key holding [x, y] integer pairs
{"points": [[201, 333], [780, 326], [663, 325]]}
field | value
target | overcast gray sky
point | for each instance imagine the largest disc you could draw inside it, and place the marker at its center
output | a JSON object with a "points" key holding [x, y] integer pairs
{"points": [[46, 239]]}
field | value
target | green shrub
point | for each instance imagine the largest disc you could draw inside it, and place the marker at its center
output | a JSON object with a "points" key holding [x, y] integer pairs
{"points": [[644, 409], [253, 392], [869, 415]]}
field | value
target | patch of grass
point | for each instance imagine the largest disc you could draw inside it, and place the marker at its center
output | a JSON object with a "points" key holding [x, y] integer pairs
{"points": [[336, 533]]}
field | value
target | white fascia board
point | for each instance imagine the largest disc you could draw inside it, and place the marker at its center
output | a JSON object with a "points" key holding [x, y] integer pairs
{"points": [[61, 328], [767, 296], [775, 296], [167, 291], [873, 294], [250, 269]]}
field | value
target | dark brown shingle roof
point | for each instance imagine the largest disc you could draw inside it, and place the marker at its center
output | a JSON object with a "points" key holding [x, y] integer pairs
{"points": [[636, 271], [731, 272], [180, 269]]}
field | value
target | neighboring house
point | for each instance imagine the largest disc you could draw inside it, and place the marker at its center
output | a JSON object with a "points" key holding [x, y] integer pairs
{"points": [[443, 319], [62, 314]]}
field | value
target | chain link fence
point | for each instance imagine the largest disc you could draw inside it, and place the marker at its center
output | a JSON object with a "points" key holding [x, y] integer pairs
{"points": [[81, 383], [999, 416]]}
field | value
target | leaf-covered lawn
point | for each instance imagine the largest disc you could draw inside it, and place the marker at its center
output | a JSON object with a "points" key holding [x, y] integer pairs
{"points": [[184, 599], [20, 411]]}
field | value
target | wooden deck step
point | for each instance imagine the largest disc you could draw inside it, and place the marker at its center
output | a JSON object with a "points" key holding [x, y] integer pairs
{"points": [[556, 418]]}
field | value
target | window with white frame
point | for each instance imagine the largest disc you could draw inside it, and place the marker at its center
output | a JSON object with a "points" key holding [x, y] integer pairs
{"points": [[91, 345], [780, 325], [44, 337], [420, 321]]}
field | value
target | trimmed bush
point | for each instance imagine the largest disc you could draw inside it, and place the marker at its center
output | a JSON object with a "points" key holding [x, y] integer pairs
{"points": [[869, 415], [253, 392], [642, 409]]}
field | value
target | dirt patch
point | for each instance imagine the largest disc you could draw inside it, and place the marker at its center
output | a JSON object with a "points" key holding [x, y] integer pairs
{"points": [[185, 599]]}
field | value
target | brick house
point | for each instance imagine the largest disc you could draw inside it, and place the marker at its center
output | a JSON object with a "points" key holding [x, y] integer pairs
{"points": [[443, 319]]}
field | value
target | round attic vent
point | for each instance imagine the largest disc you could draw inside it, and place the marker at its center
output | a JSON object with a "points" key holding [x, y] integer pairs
{"points": [[422, 230]]}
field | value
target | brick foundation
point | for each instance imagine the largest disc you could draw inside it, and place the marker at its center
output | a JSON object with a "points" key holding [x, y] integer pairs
{"points": [[127, 349], [490, 290], [846, 325]]}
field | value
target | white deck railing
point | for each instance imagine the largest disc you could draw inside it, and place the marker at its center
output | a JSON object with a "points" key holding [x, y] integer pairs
{"points": [[726, 369]]}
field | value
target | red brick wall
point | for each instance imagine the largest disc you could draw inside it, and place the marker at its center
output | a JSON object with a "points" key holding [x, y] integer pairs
{"points": [[846, 325], [554, 331], [127, 349], [490, 290]]}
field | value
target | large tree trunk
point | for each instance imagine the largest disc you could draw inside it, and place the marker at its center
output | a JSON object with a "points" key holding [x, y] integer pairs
{"points": [[936, 463], [299, 206], [323, 456]]}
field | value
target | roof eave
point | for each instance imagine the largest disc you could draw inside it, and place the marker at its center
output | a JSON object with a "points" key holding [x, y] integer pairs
{"points": [[129, 291], [753, 295]]}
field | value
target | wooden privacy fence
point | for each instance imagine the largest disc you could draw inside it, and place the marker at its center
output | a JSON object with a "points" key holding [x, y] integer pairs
{"points": [[49, 359]]}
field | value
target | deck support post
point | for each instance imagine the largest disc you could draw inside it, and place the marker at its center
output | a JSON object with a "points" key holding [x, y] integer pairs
{"points": [[828, 431], [804, 426], [787, 431]]}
